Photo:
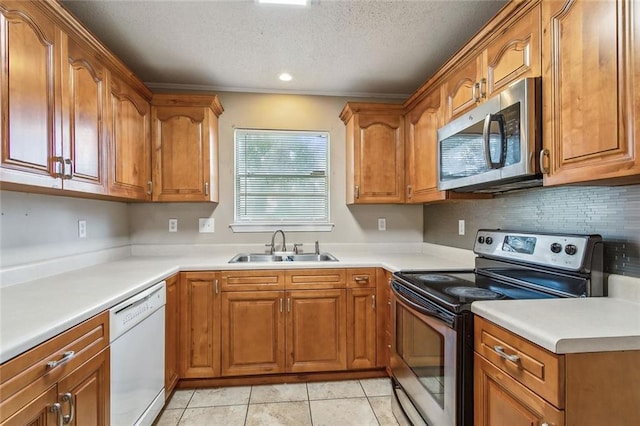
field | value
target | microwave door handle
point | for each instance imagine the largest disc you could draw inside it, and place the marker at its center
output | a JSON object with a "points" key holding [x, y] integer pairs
{"points": [[499, 118]]}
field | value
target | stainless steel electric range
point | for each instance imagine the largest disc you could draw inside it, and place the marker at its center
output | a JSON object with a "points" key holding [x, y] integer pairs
{"points": [[432, 345]]}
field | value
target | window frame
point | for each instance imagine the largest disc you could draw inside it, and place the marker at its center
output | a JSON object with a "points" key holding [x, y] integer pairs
{"points": [[291, 225]]}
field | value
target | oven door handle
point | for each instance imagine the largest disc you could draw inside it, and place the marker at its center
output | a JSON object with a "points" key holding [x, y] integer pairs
{"points": [[425, 308]]}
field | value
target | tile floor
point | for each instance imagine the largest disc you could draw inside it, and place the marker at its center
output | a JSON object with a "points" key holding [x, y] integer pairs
{"points": [[344, 403]]}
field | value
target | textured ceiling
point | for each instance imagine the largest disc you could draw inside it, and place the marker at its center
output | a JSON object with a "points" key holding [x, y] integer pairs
{"points": [[332, 47]]}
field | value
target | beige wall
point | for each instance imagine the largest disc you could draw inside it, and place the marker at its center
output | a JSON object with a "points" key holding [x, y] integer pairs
{"points": [[355, 224], [36, 227]]}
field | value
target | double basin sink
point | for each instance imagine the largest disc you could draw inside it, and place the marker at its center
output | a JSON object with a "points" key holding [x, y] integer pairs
{"points": [[282, 257]]}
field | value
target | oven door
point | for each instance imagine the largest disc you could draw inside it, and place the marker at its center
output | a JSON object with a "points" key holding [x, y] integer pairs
{"points": [[424, 357]]}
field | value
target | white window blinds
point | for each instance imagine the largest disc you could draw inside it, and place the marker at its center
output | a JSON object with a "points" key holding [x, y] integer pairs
{"points": [[281, 177]]}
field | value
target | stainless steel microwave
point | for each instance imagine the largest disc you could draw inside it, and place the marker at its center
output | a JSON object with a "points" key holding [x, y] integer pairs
{"points": [[494, 147]]}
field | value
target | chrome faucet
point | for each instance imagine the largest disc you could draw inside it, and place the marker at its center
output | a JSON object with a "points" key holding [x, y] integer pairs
{"points": [[273, 238]]}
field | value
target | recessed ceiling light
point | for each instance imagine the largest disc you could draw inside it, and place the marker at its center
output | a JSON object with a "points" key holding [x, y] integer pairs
{"points": [[285, 76], [287, 2]]}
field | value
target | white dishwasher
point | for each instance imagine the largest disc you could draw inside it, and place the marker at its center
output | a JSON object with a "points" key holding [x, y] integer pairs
{"points": [[137, 357]]}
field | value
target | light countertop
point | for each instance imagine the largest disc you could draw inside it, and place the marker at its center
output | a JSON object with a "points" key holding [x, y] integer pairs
{"points": [[594, 324], [34, 311]]}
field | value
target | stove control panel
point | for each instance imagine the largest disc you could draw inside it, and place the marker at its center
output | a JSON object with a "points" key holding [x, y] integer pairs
{"points": [[565, 251]]}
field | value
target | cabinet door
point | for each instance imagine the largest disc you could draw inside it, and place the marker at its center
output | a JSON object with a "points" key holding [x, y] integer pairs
{"points": [[461, 93], [423, 122], [130, 142], [29, 90], [379, 159], [252, 332], [316, 330], [199, 325], [172, 335], [500, 400], [181, 153], [83, 104], [361, 328], [85, 392], [38, 412], [515, 54], [591, 90]]}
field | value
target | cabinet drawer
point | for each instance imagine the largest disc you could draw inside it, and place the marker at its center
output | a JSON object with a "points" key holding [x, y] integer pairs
{"points": [[28, 375], [252, 280], [361, 277], [315, 278], [536, 368]]}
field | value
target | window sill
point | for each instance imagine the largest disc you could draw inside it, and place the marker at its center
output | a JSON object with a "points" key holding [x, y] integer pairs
{"points": [[291, 227]]}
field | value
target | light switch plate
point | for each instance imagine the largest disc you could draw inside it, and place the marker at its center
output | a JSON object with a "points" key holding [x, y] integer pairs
{"points": [[461, 227], [206, 225]]}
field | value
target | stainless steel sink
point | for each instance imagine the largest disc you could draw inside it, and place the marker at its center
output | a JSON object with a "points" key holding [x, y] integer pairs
{"points": [[283, 257]]}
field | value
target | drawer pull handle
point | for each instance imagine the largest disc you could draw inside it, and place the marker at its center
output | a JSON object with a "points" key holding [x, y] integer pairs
{"points": [[361, 279], [500, 351], [65, 357]]}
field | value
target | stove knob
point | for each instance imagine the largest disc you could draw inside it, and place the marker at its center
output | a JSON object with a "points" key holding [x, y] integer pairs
{"points": [[570, 249], [481, 240], [489, 240], [556, 247]]}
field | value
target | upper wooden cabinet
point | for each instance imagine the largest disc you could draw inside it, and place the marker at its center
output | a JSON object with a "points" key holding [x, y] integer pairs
{"points": [[509, 53], [184, 131], [64, 119], [591, 91], [84, 96], [375, 152], [130, 142], [31, 148]]}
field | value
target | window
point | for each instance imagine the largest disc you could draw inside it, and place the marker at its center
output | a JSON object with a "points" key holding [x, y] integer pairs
{"points": [[281, 180]]}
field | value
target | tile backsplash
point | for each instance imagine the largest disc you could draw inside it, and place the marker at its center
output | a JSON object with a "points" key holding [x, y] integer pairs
{"points": [[613, 212]]}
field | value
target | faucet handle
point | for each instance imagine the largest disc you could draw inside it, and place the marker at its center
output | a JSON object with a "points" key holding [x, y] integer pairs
{"points": [[296, 249], [271, 249], [317, 247]]}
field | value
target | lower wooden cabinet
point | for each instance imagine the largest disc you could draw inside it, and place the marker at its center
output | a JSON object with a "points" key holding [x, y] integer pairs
{"points": [[252, 333], [172, 335], [538, 387], [67, 375], [361, 328], [316, 330], [199, 325]]}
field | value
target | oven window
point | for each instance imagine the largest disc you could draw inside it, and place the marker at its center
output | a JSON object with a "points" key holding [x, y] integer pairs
{"points": [[422, 349]]}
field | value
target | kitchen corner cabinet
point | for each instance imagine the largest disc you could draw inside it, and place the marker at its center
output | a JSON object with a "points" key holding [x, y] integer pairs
{"points": [[67, 375], [591, 91], [172, 334], [199, 325], [374, 152], [537, 387], [184, 130], [512, 53], [130, 142]]}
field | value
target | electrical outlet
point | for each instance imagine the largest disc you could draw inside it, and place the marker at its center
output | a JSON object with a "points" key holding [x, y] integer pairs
{"points": [[461, 227], [173, 225], [205, 225], [82, 229], [382, 224]]}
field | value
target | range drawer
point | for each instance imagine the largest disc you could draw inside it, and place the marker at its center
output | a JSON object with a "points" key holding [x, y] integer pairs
{"points": [[26, 376], [534, 367], [361, 277]]}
